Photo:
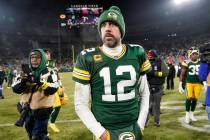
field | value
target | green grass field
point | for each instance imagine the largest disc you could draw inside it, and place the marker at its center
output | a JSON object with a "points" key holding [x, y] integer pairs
{"points": [[170, 129]]}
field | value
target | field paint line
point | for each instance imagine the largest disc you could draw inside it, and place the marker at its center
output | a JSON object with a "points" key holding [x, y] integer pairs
{"points": [[172, 102], [61, 121], [164, 105], [182, 112], [199, 129]]}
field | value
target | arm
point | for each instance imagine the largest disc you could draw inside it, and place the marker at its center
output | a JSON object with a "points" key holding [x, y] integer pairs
{"points": [[203, 71], [144, 107], [19, 84], [164, 68], [182, 74], [81, 100], [50, 85]]}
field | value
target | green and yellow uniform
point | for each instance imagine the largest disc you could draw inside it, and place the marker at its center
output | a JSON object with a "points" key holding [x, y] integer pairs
{"points": [[193, 83], [114, 83]]}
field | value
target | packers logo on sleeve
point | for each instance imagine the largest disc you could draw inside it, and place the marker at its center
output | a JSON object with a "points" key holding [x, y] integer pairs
{"points": [[127, 136], [97, 58]]}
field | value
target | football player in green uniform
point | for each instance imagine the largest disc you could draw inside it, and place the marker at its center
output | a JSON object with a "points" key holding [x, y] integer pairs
{"points": [[193, 86], [113, 75]]}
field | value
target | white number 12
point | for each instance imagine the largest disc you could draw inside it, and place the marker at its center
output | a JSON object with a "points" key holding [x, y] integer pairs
{"points": [[121, 96]]}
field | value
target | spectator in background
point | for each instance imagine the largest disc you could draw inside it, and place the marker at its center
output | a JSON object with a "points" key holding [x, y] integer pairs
{"points": [[2, 77], [156, 79], [59, 95], [10, 76], [171, 75]]}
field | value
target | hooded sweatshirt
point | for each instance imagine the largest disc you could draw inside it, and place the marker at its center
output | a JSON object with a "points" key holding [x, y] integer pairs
{"points": [[42, 88]]}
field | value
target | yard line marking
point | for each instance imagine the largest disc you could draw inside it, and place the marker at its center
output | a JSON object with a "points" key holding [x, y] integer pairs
{"points": [[199, 129], [61, 121]]}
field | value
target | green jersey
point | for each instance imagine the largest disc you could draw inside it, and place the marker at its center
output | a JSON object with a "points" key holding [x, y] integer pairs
{"points": [[192, 71], [114, 83]]}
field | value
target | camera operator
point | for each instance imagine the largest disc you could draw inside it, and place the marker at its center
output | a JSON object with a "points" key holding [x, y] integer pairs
{"points": [[204, 74], [37, 89]]}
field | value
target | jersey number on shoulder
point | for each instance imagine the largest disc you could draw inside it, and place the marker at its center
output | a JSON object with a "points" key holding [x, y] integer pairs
{"points": [[121, 96], [87, 50], [193, 69]]}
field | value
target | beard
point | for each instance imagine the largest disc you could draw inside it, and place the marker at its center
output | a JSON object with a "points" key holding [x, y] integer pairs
{"points": [[110, 41]]}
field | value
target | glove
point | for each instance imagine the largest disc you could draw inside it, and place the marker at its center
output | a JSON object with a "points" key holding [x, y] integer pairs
{"points": [[43, 85], [204, 86], [159, 74], [181, 90]]}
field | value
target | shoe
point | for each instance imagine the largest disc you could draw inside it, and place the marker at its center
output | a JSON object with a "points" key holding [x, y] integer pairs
{"points": [[187, 117], [2, 97], [192, 117], [53, 127], [157, 124]]}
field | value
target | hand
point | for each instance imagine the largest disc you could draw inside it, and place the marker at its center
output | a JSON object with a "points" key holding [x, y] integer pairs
{"points": [[181, 90], [104, 136], [142, 131], [204, 86], [159, 74], [23, 76]]}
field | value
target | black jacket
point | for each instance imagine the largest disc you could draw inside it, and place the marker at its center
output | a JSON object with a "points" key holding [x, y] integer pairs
{"points": [[155, 79]]}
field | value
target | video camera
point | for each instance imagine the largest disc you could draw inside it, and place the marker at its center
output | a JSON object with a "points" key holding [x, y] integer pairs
{"points": [[23, 110], [205, 53], [26, 69]]}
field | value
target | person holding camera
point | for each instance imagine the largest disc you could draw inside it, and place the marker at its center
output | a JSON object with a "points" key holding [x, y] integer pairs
{"points": [[37, 86]]}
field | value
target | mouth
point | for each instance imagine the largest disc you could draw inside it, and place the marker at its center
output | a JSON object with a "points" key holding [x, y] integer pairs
{"points": [[109, 35]]}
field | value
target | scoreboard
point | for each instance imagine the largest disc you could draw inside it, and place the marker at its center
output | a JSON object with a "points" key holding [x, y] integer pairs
{"points": [[77, 15]]}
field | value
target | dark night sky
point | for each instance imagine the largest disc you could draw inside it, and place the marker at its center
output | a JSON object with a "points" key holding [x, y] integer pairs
{"points": [[140, 15]]}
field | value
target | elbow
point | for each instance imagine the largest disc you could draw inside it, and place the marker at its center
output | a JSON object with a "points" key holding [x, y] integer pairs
{"points": [[16, 90]]}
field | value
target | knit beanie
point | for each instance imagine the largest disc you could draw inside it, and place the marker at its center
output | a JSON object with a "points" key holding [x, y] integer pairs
{"points": [[114, 15]]}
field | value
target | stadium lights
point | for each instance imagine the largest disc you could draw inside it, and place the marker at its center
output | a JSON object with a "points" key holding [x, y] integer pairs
{"points": [[178, 2]]}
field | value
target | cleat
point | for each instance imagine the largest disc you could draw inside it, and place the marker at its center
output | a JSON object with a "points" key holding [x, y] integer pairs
{"points": [[53, 127], [157, 124], [187, 118], [192, 117]]}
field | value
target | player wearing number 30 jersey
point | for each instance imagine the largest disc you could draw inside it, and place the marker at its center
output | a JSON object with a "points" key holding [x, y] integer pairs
{"points": [[113, 75]]}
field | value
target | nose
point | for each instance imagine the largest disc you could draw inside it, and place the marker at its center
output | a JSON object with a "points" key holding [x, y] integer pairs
{"points": [[107, 27]]}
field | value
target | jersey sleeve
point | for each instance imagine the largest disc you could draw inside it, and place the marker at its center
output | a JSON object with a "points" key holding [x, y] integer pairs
{"points": [[145, 65], [81, 73], [185, 64]]}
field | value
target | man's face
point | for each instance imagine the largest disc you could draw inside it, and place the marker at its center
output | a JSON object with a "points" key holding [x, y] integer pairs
{"points": [[110, 34], [35, 60], [194, 56], [48, 55]]}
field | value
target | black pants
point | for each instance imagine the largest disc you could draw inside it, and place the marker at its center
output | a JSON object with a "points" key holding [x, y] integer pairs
{"points": [[154, 103], [170, 82], [36, 123]]}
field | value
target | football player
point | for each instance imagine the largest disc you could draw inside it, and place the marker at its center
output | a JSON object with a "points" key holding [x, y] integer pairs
{"points": [[113, 75], [193, 86], [59, 94]]}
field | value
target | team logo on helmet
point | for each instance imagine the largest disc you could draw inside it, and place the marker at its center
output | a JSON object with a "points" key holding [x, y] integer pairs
{"points": [[192, 50], [112, 15], [127, 136]]}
